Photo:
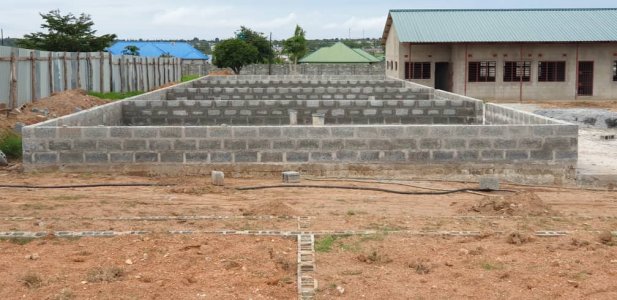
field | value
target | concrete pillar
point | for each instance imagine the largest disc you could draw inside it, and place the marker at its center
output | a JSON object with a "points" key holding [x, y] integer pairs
{"points": [[293, 117], [319, 119], [218, 178]]}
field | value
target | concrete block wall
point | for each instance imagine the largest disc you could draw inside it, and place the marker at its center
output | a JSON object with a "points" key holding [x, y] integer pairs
{"points": [[499, 114], [293, 83], [108, 115], [330, 93], [406, 144], [276, 112]]}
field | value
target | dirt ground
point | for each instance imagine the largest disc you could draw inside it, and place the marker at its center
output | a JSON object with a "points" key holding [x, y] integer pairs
{"points": [[150, 267], [384, 265], [58, 105], [605, 104]]}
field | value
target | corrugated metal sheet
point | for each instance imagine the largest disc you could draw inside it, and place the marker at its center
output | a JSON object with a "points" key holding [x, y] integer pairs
{"points": [[156, 49], [338, 53], [82, 70], [505, 25]]}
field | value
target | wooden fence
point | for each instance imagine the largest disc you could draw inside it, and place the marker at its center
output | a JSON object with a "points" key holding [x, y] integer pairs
{"points": [[28, 75]]}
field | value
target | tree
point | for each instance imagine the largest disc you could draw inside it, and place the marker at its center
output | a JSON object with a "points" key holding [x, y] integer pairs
{"points": [[67, 33], [296, 46], [131, 50], [257, 40], [234, 54]]}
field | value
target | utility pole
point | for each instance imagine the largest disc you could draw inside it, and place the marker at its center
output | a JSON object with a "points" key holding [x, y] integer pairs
{"points": [[350, 33], [2, 36], [271, 56]]}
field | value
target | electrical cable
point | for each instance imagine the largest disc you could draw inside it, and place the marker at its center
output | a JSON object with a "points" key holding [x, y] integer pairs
{"points": [[346, 187], [14, 186]]}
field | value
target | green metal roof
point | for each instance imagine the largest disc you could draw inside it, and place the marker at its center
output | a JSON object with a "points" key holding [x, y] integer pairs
{"points": [[504, 25], [339, 53]]}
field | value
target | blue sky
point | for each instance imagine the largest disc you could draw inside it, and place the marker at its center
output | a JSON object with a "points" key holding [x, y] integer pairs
{"points": [[165, 19]]}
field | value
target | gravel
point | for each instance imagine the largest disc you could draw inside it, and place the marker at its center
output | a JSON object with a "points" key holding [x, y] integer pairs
{"points": [[588, 117]]}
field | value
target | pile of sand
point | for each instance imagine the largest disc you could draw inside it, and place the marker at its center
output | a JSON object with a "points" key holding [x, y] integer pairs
{"points": [[271, 208], [519, 204]]}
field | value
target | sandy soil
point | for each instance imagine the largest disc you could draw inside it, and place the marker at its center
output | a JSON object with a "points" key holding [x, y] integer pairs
{"points": [[542, 268], [407, 267], [151, 267], [58, 105]]}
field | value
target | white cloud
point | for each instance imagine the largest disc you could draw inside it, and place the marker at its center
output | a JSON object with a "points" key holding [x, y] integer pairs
{"points": [[188, 16], [290, 19], [359, 23]]}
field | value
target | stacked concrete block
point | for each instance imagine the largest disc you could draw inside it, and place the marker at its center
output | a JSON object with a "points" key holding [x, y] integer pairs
{"points": [[277, 112], [414, 144]]}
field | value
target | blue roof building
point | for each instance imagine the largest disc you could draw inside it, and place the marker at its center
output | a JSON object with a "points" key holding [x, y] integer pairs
{"points": [[156, 49]]}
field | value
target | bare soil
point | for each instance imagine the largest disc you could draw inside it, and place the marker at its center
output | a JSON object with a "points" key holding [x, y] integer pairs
{"points": [[410, 267], [395, 265], [605, 104], [150, 267], [59, 104]]}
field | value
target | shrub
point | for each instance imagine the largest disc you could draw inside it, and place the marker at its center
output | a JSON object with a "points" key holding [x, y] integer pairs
{"points": [[10, 144]]}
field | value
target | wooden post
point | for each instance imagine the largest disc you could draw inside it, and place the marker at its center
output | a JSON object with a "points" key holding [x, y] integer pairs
{"points": [[101, 71], [121, 74], [147, 76], [158, 67], [65, 72], [111, 73], [33, 76], [79, 70], [50, 66], [135, 75], [13, 85], [90, 72]]}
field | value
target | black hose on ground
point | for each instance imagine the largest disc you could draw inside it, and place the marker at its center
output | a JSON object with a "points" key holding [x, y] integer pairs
{"points": [[361, 188], [15, 186]]}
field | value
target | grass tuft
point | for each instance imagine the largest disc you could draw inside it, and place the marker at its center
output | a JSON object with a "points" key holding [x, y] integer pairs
{"points": [[324, 244], [32, 280], [109, 274], [115, 95], [186, 78]]}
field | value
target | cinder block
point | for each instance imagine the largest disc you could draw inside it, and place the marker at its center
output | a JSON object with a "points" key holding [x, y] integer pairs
{"points": [[291, 177], [489, 183], [218, 178]]}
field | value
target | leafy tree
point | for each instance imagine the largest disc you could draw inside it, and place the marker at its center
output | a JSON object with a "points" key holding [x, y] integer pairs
{"points": [[234, 54], [296, 46], [257, 40], [131, 50], [66, 33], [166, 55]]}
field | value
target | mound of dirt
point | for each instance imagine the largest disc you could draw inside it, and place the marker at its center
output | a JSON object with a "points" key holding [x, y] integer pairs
{"points": [[271, 208], [519, 204], [59, 104]]}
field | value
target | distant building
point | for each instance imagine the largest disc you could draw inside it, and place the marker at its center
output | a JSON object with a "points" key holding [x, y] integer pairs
{"points": [[339, 53], [156, 49], [506, 54]]}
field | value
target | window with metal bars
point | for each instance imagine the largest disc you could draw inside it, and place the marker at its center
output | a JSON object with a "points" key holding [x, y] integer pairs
{"points": [[615, 70], [551, 71], [418, 70], [517, 71], [482, 71]]}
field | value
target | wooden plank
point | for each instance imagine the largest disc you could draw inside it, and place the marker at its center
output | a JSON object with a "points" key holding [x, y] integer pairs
{"points": [[65, 71], [50, 67], [90, 84], [135, 75], [111, 73], [147, 76], [121, 75], [101, 72], [33, 80], [13, 85], [158, 70], [79, 71]]}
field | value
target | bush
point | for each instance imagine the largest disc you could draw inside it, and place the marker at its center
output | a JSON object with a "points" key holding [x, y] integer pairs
{"points": [[10, 144]]}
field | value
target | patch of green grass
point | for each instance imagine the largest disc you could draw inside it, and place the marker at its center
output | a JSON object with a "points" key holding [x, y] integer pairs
{"points": [[186, 78], [10, 144], [18, 240], [325, 243], [492, 266], [113, 96]]}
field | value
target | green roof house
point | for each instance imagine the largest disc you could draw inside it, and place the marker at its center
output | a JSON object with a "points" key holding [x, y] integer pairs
{"points": [[506, 54], [339, 53]]}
